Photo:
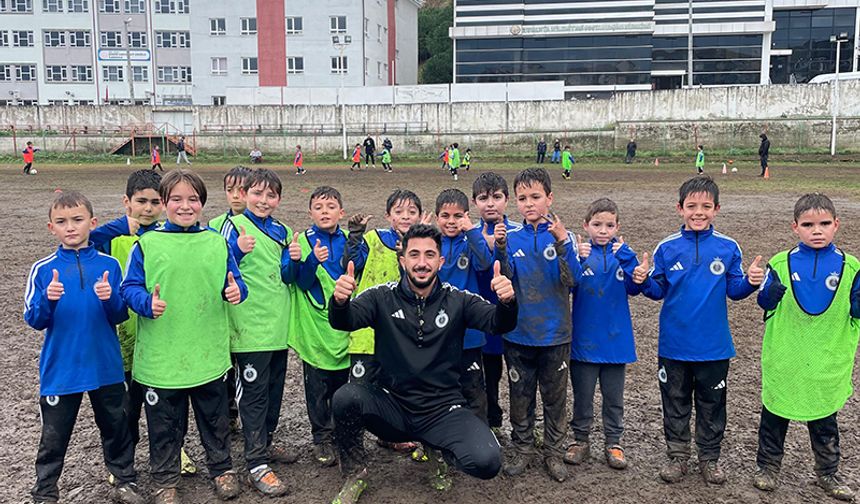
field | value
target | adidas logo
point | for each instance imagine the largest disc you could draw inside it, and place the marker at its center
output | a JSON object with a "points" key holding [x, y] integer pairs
{"points": [[677, 267], [795, 277], [474, 367], [720, 385], [587, 272], [519, 253], [563, 366], [398, 314]]}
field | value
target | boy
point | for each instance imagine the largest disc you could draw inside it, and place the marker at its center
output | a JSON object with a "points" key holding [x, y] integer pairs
{"points": [[29, 155], [323, 350], [541, 261], [602, 343], [567, 162], [444, 156], [810, 340], [259, 326], [180, 151], [467, 160], [490, 196], [233, 182], [694, 270], [356, 158], [156, 159], [81, 351], [700, 160], [386, 159], [299, 160], [454, 159]]}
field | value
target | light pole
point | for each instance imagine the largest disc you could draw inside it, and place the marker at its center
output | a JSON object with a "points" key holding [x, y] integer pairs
{"points": [[125, 24], [341, 45], [838, 39], [690, 44]]}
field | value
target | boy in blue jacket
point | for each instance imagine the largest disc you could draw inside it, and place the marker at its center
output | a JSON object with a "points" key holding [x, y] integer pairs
{"points": [[542, 263], [602, 343], [73, 295], [694, 270]]}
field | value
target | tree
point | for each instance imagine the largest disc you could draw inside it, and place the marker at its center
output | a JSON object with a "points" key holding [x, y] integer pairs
{"points": [[435, 47]]}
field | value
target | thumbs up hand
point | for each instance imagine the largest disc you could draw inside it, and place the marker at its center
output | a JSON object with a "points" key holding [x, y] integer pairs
{"points": [[232, 293], [133, 226], [103, 288], [158, 305], [55, 289], [755, 273], [295, 248], [583, 247], [556, 228], [501, 284], [618, 244], [358, 223], [246, 242], [488, 235], [345, 285], [466, 223], [640, 274], [500, 234], [321, 252]]}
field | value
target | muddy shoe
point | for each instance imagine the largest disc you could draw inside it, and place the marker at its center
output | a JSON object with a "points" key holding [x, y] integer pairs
{"points": [[227, 485], [765, 479], [615, 457], [711, 472], [517, 463], [674, 471], [166, 496], [282, 454], [556, 469], [128, 493], [420, 454], [264, 479], [324, 454], [352, 489], [440, 477], [187, 467], [835, 487], [576, 453]]}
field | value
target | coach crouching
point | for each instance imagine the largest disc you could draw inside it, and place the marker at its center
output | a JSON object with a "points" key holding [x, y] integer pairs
{"points": [[419, 324]]}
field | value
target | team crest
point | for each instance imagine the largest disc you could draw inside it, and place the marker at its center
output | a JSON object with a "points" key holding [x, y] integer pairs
{"points": [[358, 369], [832, 282], [151, 397], [463, 262], [717, 267], [549, 252], [619, 274], [249, 374], [514, 375], [441, 319], [662, 375], [52, 400]]}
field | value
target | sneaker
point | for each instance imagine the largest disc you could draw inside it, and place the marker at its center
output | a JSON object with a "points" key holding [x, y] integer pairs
{"points": [[556, 469], [278, 453], [577, 453], [165, 496], [455, 178], [419, 454], [227, 485], [324, 453], [264, 479], [615, 457], [517, 463], [187, 467], [111, 479], [440, 477], [835, 487], [711, 472], [128, 493], [497, 431], [674, 471], [765, 479], [352, 489]]}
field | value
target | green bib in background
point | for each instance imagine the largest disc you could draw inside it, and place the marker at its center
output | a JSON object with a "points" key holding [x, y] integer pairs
{"points": [[120, 248], [381, 267], [218, 222]]}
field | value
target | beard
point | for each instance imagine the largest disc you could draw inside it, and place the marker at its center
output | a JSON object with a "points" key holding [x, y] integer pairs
{"points": [[421, 284]]}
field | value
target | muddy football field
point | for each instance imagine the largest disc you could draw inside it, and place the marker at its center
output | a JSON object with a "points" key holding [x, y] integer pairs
{"points": [[756, 212]]}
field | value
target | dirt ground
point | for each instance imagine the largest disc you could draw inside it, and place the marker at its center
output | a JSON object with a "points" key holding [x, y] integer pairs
{"points": [[755, 212]]}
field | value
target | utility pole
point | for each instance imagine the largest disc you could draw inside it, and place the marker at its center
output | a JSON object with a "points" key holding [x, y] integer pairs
{"points": [[125, 24]]}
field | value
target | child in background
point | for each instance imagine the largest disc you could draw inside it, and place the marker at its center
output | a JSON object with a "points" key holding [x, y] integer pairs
{"points": [[467, 160], [259, 327], [156, 159], [454, 159], [386, 159], [299, 160], [567, 162], [444, 156], [700, 160], [602, 343], [810, 340], [233, 182], [29, 155], [323, 350], [694, 271], [490, 196], [178, 276], [73, 295], [356, 158], [540, 258]]}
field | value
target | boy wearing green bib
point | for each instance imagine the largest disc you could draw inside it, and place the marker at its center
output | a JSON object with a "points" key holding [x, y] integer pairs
{"points": [[322, 349], [179, 279], [259, 326], [811, 298], [233, 182]]}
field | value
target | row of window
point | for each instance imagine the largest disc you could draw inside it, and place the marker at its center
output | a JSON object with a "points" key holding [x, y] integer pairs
{"points": [[81, 38], [18, 38], [218, 26], [104, 6], [84, 73], [295, 65]]}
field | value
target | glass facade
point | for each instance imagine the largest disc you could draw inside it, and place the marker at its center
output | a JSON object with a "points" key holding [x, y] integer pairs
{"points": [[717, 60], [807, 33]]}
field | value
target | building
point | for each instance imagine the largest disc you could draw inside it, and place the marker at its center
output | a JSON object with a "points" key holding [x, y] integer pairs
{"points": [[609, 45], [191, 51]]}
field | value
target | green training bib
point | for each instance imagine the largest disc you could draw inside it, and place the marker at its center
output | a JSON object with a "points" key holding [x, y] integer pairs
{"points": [[120, 248], [381, 267]]}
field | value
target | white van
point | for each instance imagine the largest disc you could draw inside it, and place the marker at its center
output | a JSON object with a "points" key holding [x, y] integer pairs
{"points": [[843, 76]]}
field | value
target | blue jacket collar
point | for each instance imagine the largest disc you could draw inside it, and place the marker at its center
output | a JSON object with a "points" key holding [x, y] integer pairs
{"points": [[692, 235], [806, 249], [174, 228], [69, 254]]}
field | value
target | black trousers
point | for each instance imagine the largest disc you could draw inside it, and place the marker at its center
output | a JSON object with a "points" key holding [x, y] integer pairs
{"points": [[157, 165], [59, 414], [356, 164], [763, 165], [260, 380], [369, 157], [682, 383], [364, 368], [320, 386], [530, 368], [472, 382], [465, 441], [167, 412], [135, 407], [823, 434], [231, 392], [492, 377], [540, 157], [27, 167], [583, 378]]}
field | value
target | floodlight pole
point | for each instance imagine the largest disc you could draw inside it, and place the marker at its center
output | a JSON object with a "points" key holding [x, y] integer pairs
{"points": [[690, 44], [838, 39], [125, 24], [341, 45]]}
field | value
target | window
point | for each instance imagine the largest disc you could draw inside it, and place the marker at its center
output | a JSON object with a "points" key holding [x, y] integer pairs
{"points": [[338, 24], [19, 6], [366, 28], [25, 73], [22, 39], [113, 73], [55, 38], [384, 71], [219, 100], [79, 6], [137, 39], [83, 102], [56, 103], [295, 65], [366, 66], [109, 6], [219, 66], [180, 39], [217, 26], [79, 39], [339, 65], [171, 6], [52, 5], [378, 69], [249, 26], [294, 25], [135, 6], [4, 38], [174, 74], [82, 73], [111, 39], [5, 73], [379, 33], [140, 73], [56, 73], [249, 66]]}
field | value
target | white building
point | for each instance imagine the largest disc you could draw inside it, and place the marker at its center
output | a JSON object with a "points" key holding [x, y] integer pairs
{"points": [[192, 51]]}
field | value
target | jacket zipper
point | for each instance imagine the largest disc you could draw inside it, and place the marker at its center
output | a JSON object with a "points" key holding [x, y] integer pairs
{"points": [[697, 248], [536, 235], [815, 265], [604, 259], [80, 270], [420, 333]]}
